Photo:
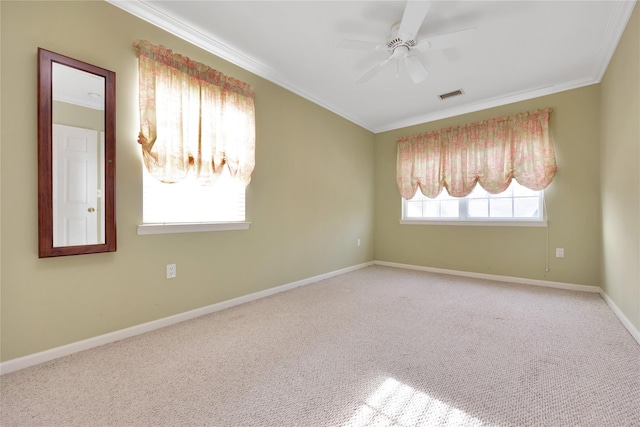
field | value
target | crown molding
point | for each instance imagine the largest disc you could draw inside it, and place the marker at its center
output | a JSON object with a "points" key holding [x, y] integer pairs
{"points": [[615, 28], [484, 105], [167, 23]]}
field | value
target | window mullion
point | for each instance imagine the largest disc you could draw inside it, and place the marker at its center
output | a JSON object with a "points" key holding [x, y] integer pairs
{"points": [[464, 208]]}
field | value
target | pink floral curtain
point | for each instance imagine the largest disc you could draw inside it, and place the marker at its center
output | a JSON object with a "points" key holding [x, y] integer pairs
{"points": [[193, 119], [490, 153]]}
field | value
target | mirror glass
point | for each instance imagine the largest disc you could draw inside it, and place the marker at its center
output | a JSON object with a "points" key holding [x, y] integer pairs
{"points": [[78, 153], [76, 157]]}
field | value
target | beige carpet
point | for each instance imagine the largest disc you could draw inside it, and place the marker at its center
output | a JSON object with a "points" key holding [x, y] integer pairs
{"points": [[378, 346]]}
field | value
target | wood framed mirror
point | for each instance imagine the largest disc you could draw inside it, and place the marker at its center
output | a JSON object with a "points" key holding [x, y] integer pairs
{"points": [[76, 157]]}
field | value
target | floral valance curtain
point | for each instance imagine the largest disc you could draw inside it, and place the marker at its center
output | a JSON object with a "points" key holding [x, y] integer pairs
{"points": [[193, 119], [490, 153]]}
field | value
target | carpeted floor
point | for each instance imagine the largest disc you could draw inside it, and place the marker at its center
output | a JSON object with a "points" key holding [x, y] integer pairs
{"points": [[378, 346]]}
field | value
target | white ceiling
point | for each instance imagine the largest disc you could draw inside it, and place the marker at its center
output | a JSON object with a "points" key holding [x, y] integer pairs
{"points": [[77, 87], [522, 49]]}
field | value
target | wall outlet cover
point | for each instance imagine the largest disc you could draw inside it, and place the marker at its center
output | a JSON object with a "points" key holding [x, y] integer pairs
{"points": [[171, 271]]}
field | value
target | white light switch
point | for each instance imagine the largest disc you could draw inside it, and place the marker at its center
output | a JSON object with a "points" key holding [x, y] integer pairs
{"points": [[559, 252]]}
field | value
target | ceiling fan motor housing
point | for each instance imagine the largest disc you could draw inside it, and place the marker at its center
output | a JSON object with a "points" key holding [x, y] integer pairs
{"points": [[394, 43]]}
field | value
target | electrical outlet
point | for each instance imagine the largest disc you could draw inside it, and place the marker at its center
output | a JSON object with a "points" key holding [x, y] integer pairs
{"points": [[559, 252], [358, 242], [171, 271]]}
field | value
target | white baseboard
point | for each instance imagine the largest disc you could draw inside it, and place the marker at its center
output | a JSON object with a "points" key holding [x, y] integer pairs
{"points": [[495, 277], [549, 284], [625, 321], [65, 350]]}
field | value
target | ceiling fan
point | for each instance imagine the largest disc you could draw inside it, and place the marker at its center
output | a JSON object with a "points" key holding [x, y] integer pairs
{"points": [[403, 46]]}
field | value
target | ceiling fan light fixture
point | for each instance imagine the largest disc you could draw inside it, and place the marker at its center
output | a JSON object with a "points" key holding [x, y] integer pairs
{"points": [[402, 42], [451, 94], [400, 52]]}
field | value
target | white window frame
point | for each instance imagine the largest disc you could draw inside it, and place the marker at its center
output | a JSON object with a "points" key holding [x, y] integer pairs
{"points": [[464, 219]]}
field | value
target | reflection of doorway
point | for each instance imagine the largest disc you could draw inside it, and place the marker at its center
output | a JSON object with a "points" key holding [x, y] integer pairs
{"points": [[75, 186]]}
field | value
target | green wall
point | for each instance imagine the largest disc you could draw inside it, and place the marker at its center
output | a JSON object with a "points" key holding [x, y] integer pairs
{"points": [[320, 183], [620, 153], [311, 195], [572, 200], [64, 113]]}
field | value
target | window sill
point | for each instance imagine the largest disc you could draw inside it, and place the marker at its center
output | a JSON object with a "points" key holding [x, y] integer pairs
{"points": [[542, 223], [145, 229]]}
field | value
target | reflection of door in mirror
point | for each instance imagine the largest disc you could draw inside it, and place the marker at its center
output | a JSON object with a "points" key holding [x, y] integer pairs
{"points": [[75, 186], [78, 154]]}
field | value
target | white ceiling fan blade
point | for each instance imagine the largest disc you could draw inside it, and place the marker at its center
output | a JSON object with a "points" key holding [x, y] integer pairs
{"points": [[361, 45], [373, 71], [448, 40], [417, 71], [414, 14]]}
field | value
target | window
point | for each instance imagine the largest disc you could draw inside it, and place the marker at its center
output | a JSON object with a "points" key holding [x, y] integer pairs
{"points": [[517, 204], [189, 202], [511, 157], [197, 132]]}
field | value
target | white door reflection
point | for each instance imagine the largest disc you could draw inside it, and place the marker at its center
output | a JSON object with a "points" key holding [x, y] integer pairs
{"points": [[75, 186]]}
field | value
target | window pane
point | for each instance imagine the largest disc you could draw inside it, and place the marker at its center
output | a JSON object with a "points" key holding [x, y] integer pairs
{"points": [[449, 209], [500, 208], [414, 209], [478, 205], [479, 208], [527, 207], [419, 196], [506, 193], [444, 195], [519, 190], [478, 192], [188, 201], [431, 209]]}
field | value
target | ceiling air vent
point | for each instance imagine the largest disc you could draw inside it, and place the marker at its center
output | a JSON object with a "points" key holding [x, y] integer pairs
{"points": [[451, 94]]}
